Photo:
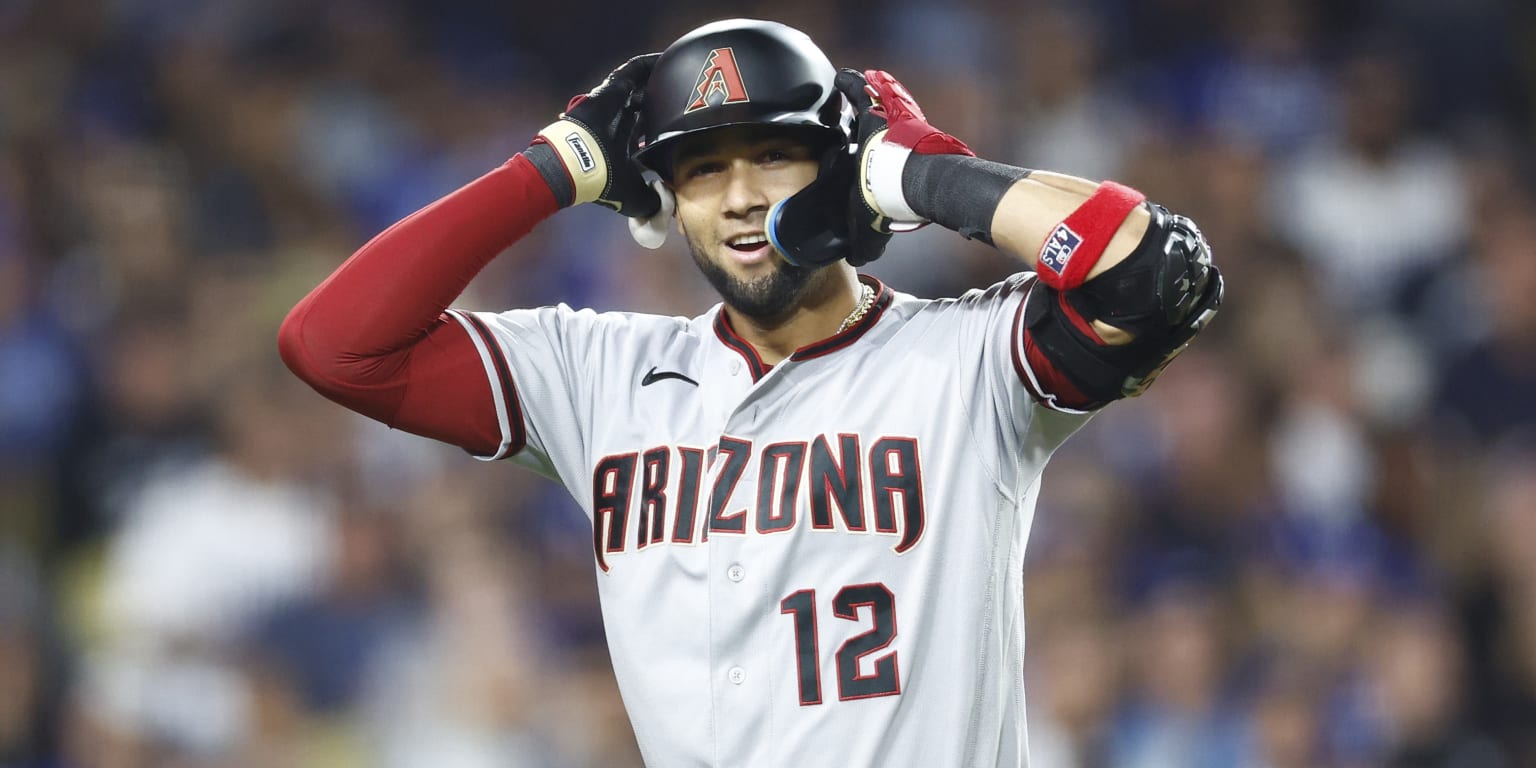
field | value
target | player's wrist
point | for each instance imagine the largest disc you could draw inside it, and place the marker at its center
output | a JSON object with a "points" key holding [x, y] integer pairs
{"points": [[547, 162], [881, 169], [958, 192], [895, 139], [584, 168]]}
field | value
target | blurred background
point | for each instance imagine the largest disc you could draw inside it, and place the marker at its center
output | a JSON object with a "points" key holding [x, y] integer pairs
{"points": [[1313, 544]]}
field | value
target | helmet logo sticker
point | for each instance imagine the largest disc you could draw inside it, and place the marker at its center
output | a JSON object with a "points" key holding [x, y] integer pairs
{"points": [[719, 75]]}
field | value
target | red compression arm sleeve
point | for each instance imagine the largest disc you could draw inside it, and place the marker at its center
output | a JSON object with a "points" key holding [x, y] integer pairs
{"points": [[373, 336]]}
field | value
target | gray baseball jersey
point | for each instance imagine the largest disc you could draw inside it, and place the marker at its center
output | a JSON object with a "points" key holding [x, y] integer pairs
{"points": [[817, 564]]}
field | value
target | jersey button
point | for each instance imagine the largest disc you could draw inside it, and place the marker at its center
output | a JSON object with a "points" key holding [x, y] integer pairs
{"points": [[736, 675], [735, 572], [735, 367]]}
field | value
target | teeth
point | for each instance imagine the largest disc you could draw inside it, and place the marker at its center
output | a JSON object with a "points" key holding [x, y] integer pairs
{"points": [[747, 240]]}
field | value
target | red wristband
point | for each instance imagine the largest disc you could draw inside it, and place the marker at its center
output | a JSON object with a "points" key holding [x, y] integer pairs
{"points": [[1075, 245]]}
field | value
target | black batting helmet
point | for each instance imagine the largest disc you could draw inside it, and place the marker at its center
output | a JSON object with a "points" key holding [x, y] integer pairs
{"points": [[738, 72]]}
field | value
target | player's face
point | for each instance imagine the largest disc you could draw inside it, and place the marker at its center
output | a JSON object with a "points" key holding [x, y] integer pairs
{"points": [[725, 181]]}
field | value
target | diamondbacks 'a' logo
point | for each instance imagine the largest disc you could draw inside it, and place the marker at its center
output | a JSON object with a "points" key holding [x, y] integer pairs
{"points": [[1058, 248], [719, 82]]}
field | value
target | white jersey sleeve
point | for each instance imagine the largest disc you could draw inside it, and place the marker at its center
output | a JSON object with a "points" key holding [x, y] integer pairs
{"points": [[547, 368], [1010, 410]]}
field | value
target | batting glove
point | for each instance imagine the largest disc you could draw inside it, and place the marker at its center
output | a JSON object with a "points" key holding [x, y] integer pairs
{"points": [[584, 156], [891, 127]]}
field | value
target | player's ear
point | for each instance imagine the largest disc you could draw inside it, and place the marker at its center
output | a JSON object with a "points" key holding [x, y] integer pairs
{"points": [[651, 231]]}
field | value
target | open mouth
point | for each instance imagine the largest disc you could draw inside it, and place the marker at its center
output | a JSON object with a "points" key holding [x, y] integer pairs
{"points": [[747, 243], [750, 248]]}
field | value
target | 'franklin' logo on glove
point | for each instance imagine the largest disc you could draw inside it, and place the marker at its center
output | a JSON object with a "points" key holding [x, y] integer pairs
{"points": [[1058, 249], [721, 76], [583, 154]]}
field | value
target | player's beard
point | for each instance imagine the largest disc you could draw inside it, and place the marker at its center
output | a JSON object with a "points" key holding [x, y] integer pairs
{"points": [[768, 300]]}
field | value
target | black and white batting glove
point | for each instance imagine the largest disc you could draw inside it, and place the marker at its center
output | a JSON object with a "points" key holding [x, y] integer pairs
{"points": [[585, 155], [891, 128]]}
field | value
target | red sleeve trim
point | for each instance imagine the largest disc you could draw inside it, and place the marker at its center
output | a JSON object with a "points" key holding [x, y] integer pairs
{"points": [[509, 407], [1040, 377], [1073, 316]]}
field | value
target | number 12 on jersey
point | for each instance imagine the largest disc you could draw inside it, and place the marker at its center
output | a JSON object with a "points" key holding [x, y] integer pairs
{"points": [[885, 680]]}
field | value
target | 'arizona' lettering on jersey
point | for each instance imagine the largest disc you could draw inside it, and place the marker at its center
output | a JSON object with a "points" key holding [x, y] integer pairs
{"points": [[792, 479]]}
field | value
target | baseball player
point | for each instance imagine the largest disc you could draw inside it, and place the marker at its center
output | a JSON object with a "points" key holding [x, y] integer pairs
{"points": [[809, 505]]}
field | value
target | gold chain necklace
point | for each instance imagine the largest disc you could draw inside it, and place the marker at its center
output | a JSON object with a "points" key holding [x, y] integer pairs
{"points": [[866, 300]]}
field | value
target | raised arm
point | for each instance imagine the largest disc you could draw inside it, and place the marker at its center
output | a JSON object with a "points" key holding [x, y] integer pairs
{"points": [[1123, 284], [374, 335]]}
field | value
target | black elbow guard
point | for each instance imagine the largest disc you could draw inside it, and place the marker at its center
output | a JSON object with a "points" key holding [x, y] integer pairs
{"points": [[1162, 294]]}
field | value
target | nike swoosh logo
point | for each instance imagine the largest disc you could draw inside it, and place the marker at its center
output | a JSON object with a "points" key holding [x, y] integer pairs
{"points": [[651, 377]]}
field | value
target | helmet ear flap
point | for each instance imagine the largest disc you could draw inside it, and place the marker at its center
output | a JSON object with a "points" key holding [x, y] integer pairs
{"points": [[814, 226]]}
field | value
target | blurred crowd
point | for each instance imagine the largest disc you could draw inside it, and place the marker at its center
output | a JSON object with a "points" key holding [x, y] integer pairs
{"points": [[1311, 545]]}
